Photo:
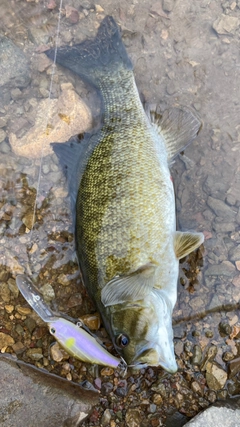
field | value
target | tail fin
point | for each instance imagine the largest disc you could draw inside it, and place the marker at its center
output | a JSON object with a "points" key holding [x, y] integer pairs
{"points": [[92, 58]]}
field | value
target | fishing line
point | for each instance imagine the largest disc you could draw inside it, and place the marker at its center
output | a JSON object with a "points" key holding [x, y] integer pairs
{"points": [[47, 117]]}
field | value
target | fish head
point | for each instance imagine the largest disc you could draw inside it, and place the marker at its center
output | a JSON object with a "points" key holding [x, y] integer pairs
{"points": [[142, 332]]}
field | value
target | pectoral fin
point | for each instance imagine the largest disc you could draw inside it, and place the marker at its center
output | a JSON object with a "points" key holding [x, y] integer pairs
{"points": [[132, 287], [186, 242], [177, 126]]}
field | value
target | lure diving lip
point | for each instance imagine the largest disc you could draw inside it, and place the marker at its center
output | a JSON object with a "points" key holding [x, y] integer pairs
{"points": [[74, 339]]}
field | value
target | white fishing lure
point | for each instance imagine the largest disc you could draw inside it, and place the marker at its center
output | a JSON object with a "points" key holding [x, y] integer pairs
{"points": [[74, 339]]}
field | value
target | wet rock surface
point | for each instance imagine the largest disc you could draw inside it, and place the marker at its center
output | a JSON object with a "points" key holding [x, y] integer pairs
{"points": [[226, 24], [51, 400], [56, 121], [183, 53], [222, 413]]}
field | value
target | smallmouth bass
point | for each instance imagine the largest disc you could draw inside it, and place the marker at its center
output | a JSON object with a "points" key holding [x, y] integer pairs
{"points": [[119, 179]]}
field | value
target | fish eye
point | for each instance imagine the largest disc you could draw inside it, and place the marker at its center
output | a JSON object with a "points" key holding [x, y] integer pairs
{"points": [[52, 331], [122, 340]]}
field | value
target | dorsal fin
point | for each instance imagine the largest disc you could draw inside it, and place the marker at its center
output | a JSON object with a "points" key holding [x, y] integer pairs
{"points": [[177, 126]]}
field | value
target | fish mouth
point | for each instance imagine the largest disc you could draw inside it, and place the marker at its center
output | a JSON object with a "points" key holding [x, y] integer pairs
{"points": [[151, 357], [172, 368]]}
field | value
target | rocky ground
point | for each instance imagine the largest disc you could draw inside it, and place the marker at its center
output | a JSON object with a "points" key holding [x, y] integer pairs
{"points": [[183, 53]]}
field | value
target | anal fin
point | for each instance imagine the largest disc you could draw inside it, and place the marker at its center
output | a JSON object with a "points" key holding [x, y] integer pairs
{"points": [[186, 242]]}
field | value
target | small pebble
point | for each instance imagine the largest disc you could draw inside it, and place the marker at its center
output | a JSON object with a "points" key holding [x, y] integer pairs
{"points": [[33, 248], [5, 341], [171, 88], [9, 308], [106, 418], [208, 333], [133, 417], [34, 353], [13, 288], [235, 332], [216, 377], [56, 352], [69, 377], [5, 292], [106, 388], [92, 321], [4, 275], [227, 356], [18, 347], [98, 383], [51, 4], [152, 408], [63, 279], [211, 396], [3, 122], [122, 388], [197, 355], [66, 366], [107, 371], [196, 388], [16, 94], [119, 415], [72, 14], [234, 367], [2, 135], [47, 292], [168, 5], [30, 324], [238, 265], [222, 395], [224, 328], [27, 220], [24, 311], [99, 8], [19, 329], [157, 399]]}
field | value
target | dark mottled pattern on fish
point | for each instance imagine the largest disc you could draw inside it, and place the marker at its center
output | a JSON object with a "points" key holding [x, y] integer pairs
{"points": [[127, 244], [117, 220]]}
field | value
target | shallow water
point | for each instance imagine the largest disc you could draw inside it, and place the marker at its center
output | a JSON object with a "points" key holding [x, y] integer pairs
{"points": [[178, 59]]}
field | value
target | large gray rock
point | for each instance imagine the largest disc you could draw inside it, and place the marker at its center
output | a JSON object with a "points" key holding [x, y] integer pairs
{"points": [[33, 397], [222, 414]]}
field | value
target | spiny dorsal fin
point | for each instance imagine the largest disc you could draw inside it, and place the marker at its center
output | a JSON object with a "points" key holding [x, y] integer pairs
{"points": [[132, 287], [186, 242], [177, 126]]}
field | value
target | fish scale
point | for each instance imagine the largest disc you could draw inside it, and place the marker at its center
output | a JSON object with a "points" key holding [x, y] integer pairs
{"points": [[142, 183], [123, 199]]}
